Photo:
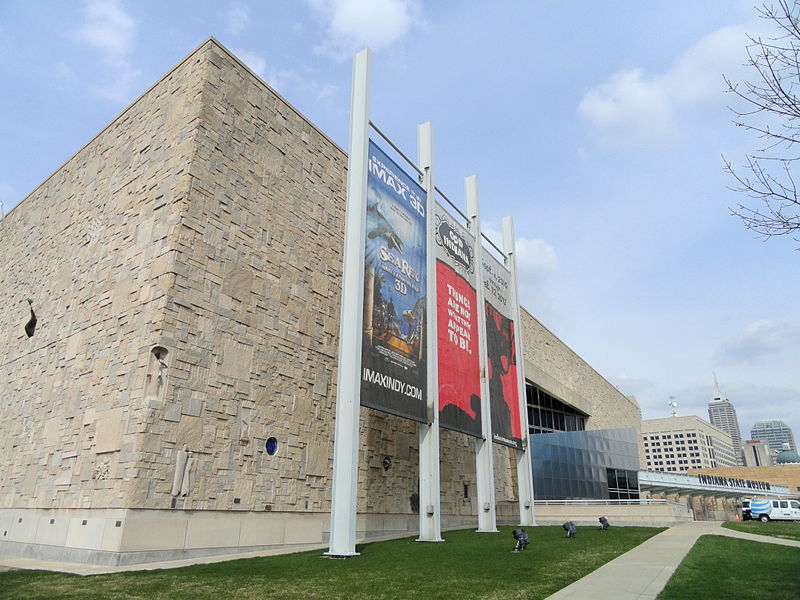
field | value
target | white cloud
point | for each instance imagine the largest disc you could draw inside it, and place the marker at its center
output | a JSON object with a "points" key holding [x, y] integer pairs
{"points": [[536, 260], [353, 24], [758, 340], [110, 30], [254, 61], [634, 108], [237, 18], [284, 80], [536, 263]]}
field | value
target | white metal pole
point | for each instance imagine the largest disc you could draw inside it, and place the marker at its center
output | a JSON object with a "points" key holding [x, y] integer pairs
{"points": [[484, 457], [344, 497], [524, 464], [430, 524]]}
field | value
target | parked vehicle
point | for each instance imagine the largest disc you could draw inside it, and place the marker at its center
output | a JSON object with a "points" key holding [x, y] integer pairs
{"points": [[746, 510], [767, 509]]}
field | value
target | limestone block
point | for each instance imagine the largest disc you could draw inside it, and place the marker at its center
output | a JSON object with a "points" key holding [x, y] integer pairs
{"points": [[317, 458], [52, 530], [112, 535], [263, 532], [238, 281], [108, 432], [85, 533], [144, 233], [191, 406], [51, 433], [237, 360], [137, 535], [220, 532], [172, 412], [190, 433], [64, 475], [307, 531]]}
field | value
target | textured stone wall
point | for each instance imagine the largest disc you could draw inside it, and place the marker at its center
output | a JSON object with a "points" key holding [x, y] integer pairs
{"points": [[185, 267], [90, 246]]}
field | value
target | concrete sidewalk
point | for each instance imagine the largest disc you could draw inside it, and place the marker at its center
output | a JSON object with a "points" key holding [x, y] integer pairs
{"points": [[641, 573]]}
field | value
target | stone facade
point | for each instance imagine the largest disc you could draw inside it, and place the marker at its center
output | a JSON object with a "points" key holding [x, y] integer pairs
{"points": [[184, 266]]}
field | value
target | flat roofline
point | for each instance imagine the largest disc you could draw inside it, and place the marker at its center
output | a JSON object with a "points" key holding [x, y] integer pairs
{"points": [[209, 40]]}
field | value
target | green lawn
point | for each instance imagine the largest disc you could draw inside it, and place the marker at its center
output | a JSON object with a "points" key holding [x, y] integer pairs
{"points": [[783, 529], [468, 565], [719, 567]]}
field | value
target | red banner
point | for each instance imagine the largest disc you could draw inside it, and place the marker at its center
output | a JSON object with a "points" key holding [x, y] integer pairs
{"points": [[459, 360], [501, 354]]}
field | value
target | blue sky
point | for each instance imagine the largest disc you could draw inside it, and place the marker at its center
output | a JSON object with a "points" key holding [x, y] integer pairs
{"points": [[598, 126]]}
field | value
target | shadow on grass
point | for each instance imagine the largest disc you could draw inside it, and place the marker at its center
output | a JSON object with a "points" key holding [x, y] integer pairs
{"points": [[467, 565]]}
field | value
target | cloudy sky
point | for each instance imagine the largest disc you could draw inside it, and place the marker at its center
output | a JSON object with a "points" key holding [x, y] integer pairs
{"points": [[599, 126]]}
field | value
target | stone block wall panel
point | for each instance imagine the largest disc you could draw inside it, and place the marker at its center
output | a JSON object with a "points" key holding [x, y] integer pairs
{"points": [[185, 266]]}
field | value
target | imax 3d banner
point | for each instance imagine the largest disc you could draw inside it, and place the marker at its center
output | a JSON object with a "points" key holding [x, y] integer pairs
{"points": [[501, 364], [393, 361], [457, 327]]}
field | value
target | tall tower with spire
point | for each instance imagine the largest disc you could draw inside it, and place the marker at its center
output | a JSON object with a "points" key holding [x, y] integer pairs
{"points": [[723, 416]]}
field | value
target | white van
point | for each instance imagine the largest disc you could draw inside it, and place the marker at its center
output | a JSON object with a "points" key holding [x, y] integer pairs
{"points": [[774, 510]]}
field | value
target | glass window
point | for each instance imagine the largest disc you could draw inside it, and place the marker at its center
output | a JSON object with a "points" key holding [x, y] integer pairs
{"points": [[784, 504]]}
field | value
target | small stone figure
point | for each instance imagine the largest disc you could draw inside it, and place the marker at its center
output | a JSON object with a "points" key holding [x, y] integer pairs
{"points": [[522, 540], [604, 524], [156, 374], [181, 459], [570, 528], [30, 326], [187, 474], [100, 471]]}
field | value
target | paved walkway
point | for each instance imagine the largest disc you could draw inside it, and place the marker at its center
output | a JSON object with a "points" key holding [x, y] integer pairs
{"points": [[641, 573]]}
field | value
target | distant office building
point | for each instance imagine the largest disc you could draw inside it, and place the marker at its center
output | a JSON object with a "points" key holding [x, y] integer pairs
{"points": [[676, 444], [757, 454], [722, 415], [774, 434]]}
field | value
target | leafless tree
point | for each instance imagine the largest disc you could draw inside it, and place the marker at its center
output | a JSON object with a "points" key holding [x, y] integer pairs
{"points": [[770, 108]]}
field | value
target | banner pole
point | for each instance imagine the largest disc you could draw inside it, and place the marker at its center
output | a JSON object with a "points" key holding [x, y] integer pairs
{"points": [[524, 464], [344, 496], [484, 457], [430, 525]]}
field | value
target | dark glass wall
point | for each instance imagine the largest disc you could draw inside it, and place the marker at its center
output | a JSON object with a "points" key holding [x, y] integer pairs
{"points": [[547, 413], [599, 464]]}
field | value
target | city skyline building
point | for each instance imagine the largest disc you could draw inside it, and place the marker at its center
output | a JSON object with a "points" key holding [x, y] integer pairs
{"points": [[774, 433], [757, 454], [722, 414], [677, 444]]}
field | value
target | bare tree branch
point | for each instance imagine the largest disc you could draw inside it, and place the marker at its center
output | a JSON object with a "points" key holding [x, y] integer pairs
{"points": [[771, 110]]}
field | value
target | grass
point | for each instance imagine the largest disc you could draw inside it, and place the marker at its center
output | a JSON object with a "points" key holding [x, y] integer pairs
{"points": [[468, 565], [787, 530], [724, 567]]}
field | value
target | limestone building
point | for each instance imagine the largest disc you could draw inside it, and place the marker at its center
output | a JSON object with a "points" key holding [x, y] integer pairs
{"points": [[677, 444], [177, 395]]}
